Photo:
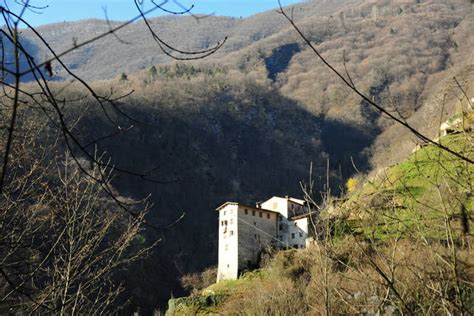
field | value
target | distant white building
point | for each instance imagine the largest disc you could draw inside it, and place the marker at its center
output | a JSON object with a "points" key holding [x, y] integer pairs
{"points": [[244, 231]]}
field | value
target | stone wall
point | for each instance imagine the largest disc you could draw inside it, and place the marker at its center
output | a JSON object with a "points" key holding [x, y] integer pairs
{"points": [[257, 230]]}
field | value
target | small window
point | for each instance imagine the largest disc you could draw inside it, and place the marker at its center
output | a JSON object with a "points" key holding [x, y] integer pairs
{"points": [[226, 247], [228, 266], [268, 215], [253, 213], [255, 236], [260, 214], [232, 233], [280, 218], [301, 234], [231, 221], [224, 212], [246, 211], [254, 223], [293, 236], [280, 227]]}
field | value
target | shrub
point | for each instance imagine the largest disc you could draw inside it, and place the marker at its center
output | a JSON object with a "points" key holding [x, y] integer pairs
{"points": [[352, 184], [196, 282]]}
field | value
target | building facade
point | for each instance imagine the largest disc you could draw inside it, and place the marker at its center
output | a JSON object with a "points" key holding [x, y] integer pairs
{"points": [[290, 234], [245, 231]]}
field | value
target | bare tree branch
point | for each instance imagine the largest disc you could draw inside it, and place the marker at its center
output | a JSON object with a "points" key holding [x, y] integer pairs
{"points": [[363, 96]]}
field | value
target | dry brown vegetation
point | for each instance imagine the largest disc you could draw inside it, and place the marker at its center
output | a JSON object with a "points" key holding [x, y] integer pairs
{"points": [[198, 281], [63, 240], [351, 277], [220, 129], [345, 280]]}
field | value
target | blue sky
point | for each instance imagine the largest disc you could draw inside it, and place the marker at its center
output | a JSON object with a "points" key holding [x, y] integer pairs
{"points": [[70, 10]]}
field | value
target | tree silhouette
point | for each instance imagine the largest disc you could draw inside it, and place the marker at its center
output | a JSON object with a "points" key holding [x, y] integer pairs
{"points": [[65, 234]]}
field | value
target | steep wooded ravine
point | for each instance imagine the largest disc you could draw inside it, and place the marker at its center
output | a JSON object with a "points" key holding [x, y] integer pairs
{"points": [[215, 133], [243, 142]]}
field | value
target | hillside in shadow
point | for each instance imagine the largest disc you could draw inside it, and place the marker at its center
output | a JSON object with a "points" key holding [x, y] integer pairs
{"points": [[7, 54], [242, 142], [395, 52]]}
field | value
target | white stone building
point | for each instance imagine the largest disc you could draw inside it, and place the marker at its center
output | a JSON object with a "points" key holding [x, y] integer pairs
{"points": [[244, 231]]}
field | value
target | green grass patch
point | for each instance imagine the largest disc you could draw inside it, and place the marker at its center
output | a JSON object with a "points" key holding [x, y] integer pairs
{"points": [[416, 197], [232, 286], [215, 294]]}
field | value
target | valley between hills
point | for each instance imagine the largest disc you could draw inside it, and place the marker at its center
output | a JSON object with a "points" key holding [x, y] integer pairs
{"points": [[144, 147]]}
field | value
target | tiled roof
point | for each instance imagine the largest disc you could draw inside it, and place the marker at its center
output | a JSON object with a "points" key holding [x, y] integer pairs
{"points": [[243, 205], [295, 200], [302, 216]]}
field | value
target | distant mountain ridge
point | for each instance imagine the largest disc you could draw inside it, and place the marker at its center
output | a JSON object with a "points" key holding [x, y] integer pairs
{"points": [[133, 49]]}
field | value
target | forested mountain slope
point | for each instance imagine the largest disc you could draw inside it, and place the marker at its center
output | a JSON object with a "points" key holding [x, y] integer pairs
{"points": [[395, 51], [133, 48], [390, 244], [202, 141], [245, 123]]}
